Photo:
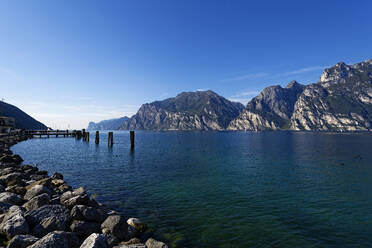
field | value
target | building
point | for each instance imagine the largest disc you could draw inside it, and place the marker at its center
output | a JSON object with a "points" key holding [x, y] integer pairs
{"points": [[6, 124]]}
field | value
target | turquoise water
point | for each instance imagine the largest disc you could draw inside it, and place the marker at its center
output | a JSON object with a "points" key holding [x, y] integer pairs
{"points": [[227, 189]]}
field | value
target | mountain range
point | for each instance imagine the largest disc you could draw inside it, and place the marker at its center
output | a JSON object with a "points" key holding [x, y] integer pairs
{"points": [[341, 100], [22, 120], [111, 124]]}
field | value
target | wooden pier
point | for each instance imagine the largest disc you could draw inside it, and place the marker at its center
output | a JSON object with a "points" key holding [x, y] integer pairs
{"points": [[50, 133], [78, 134]]}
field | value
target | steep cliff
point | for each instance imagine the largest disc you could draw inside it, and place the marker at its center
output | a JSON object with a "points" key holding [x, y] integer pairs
{"points": [[271, 109], [340, 101], [200, 110]]}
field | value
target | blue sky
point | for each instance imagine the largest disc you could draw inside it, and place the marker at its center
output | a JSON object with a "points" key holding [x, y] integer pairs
{"points": [[69, 62]]}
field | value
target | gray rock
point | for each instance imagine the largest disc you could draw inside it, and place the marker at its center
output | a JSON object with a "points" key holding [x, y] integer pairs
{"points": [[11, 177], [152, 243], [82, 212], [111, 240], [11, 198], [57, 176], [116, 226], [47, 218], [84, 228], [37, 202], [137, 224], [4, 207], [22, 241], [36, 190], [132, 243], [14, 223], [57, 239], [95, 240], [76, 197], [76, 200], [139, 245], [19, 190]]}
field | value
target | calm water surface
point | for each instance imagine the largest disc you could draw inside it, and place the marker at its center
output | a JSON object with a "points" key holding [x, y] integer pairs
{"points": [[227, 189]]}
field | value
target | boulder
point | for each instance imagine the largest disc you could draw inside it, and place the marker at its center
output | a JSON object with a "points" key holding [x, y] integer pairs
{"points": [[36, 190], [57, 176], [11, 159], [116, 226], [37, 202], [84, 228], [14, 222], [14, 176], [95, 240], [132, 243], [137, 224], [19, 190], [4, 207], [139, 245], [111, 240], [57, 239], [22, 241], [152, 243], [11, 198], [76, 200], [76, 197], [36, 178], [82, 212], [44, 181], [47, 218]]}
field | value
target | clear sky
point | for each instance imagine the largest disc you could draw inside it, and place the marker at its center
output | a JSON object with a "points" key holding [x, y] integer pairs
{"points": [[69, 62]]}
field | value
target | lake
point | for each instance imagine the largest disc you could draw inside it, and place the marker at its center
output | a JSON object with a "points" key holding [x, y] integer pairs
{"points": [[226, 189]]}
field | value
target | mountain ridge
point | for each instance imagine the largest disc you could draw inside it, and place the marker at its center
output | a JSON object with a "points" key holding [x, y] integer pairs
{"points": [[200, 110], [110, 124], [22, 119]]}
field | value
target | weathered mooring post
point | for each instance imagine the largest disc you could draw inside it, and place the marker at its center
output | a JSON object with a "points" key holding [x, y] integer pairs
{"points": [[78, 135], [97, 137], [131, 139], [110, 139]]}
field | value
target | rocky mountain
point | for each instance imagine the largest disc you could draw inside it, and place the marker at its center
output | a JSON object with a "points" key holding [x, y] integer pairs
{"points": [[271, 109], [341, 100], [22, 120], [200, 110], [111, 124]]}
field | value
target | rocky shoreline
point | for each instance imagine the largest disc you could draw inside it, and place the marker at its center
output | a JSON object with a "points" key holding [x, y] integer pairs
{"points": [[41, 211]]}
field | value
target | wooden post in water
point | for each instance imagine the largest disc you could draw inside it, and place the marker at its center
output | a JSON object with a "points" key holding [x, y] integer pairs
{"points": [[83, 133], [57, 134], [110, 139], [131, 139], [97, 137]]}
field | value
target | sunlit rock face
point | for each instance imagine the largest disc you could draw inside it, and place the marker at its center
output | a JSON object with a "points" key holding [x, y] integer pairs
{"points": [[270, 110], [200, 110], [340, 101]]}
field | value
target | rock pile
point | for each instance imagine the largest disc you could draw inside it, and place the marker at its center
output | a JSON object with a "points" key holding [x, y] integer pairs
{"points": [[38, 211]]}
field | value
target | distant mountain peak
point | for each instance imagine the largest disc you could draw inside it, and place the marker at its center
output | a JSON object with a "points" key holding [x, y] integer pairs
{"points": [[111, 124], [293, 84], [199, 110]]}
